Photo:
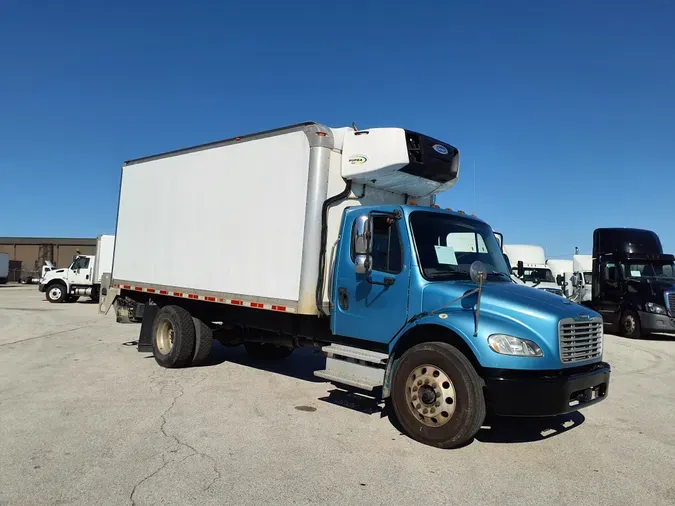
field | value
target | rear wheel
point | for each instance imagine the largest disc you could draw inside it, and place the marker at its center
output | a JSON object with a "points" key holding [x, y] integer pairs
{"points": [[438, 396], [267, 351], [203, 341], [173, 337], [56, 293]]}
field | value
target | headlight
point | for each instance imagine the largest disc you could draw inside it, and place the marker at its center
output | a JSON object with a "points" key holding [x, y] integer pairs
{"points": [[509, 345], [655, 308]]}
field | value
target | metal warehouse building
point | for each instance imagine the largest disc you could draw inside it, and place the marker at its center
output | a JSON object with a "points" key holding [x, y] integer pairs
{"points": [[27, 255]]}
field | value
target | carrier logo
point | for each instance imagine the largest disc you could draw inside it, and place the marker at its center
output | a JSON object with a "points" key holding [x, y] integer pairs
{"points": [[440, 149], [582, 317], [357, 160]]}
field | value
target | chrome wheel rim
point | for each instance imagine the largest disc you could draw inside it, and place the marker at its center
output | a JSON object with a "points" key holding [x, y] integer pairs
{"points": [[55, 292], [629, 324], [430, 395], [164, 337]]}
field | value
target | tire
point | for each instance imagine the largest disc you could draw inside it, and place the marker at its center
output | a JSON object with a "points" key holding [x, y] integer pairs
{"points": [[3, 281], [630, 325], [72, 298], [56, 293], [267, 351], [203, 342], [459, 409], [173, 337]]}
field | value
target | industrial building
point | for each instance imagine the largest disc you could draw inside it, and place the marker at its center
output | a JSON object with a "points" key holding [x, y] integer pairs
{"points": [[27, 255]]}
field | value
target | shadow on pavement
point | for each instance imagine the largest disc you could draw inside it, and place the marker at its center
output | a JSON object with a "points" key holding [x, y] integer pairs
{"points": [[301, 364], [304, 361], [527, 430]]}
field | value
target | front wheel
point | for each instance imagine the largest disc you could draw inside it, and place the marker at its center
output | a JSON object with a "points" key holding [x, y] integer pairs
{"points": [[438, 396], [630, 325], [56, 293]]}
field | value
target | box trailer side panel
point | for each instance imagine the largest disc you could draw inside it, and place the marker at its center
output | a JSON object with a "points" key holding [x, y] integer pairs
{"points": [[105, 245], [238, 209]]}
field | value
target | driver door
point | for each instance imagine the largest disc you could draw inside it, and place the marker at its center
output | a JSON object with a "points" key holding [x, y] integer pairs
{"points": [[80, 271], [372, 307], [611, 292]]}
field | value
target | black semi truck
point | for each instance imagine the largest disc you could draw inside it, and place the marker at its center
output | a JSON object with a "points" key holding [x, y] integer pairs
{"points": [[633, 282]]}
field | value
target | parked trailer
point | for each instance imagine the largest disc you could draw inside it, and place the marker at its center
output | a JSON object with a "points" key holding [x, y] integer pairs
{"points": [[4, 268], [330, 237], [82, 277]]}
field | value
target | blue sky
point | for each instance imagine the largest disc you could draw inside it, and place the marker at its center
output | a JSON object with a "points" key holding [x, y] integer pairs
{"points": [[566, 108]]}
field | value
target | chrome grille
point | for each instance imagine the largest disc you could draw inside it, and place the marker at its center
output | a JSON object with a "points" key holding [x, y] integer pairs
{"points": [[580, 340], [670, 302]]}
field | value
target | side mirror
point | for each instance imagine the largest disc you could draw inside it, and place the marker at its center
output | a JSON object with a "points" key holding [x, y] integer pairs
{"points": [[361, 236], [559, 279], [500, 240], [521, 269], [363, 264]]}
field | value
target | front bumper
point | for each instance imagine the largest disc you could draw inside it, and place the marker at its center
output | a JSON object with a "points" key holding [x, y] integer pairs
{"points": [[657, 322], [42, 288], [546, 393]]}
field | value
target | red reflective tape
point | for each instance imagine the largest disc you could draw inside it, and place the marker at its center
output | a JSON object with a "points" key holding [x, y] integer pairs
{"points": [[138, 288], [177, 294], [210, 299], [221, 300], [279, 308], [238, 302], [192, 296], [163, 292], [257, 305], [150, 290], [126, 287]]}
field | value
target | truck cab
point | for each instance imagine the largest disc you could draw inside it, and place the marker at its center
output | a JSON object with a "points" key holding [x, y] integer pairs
{"points": [[82, 277], [529, 265], [633, 282], [58, 283]]}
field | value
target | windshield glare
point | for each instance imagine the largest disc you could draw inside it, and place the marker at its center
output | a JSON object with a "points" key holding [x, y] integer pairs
{"points": [[649, 270], [448, 245]]}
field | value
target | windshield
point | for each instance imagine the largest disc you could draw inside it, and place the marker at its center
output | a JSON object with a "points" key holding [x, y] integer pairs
{"points": [[649, 270], [534, 275], [448, 245]]}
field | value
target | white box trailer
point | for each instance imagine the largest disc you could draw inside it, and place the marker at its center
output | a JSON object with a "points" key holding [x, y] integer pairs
{"points": [[330, 237], [257, 201]]}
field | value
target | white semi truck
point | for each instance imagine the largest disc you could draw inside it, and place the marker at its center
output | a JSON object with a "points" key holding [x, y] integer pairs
{"points": [[582, 269], [528, 263], [561, 269], [82, 277], [316, 236]]}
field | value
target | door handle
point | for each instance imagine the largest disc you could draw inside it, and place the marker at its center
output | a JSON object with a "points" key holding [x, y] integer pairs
{"points": [[343, 298]]}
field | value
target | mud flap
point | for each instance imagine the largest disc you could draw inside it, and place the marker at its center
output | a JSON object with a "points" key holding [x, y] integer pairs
{"points": [[149, 313]]}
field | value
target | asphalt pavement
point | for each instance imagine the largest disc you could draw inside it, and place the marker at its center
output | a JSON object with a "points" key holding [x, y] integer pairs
{"points": [[85, 419]]}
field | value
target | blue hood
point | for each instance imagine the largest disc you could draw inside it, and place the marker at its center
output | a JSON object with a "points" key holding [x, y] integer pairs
{"points": [[506, 308]]}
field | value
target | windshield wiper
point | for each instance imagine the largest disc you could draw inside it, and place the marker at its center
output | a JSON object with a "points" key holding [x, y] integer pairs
{"points": [[498, 273]]}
